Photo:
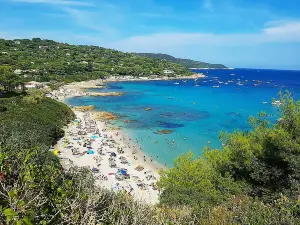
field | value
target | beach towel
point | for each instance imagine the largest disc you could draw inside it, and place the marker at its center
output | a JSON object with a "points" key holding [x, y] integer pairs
{"points": [[123, 172], [90, 152]]}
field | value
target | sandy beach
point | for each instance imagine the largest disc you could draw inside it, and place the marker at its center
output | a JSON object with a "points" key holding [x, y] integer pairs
{"points": [[117, 162]]}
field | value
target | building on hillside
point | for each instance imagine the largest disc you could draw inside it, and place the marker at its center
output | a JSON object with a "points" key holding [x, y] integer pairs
{"points": [[168, 71], [43, 47], [18, 71], [153, 76], [33, 84]]}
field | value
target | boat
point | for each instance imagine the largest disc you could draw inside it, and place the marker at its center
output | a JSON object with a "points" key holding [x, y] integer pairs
{"points": [[197, 85], [232, 74], [276, 103], [176, 83], [184, 81], [216, 86]]}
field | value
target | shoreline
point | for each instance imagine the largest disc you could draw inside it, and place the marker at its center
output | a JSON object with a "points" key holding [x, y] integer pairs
{"points": [[79, 89], [142, 185], [126, 79], [103, 145]]}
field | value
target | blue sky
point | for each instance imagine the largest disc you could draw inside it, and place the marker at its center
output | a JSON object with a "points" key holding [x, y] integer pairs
{"points": [[237, 33]]}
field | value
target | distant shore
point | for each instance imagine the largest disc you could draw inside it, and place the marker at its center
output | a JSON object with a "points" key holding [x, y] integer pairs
{"points": [[212, 68], [78, 89]]}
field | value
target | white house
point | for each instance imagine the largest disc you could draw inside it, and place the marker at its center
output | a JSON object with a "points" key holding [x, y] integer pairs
{"points": [[33, 84], [18, 71], [168, 71]]}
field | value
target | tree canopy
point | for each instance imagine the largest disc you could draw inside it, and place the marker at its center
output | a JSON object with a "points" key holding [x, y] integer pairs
{"points": [[254, 179], [47, 60], [188, 63]]}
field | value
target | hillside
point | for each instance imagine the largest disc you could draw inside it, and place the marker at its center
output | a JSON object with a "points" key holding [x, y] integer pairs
{"points": [[253, 180], [184, 62], [46, 60]]}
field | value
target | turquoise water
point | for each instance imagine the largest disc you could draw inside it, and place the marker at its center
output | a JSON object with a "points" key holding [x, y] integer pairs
{"points": [[195, 114]]}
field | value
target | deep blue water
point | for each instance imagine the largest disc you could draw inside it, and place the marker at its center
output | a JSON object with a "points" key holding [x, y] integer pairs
{"points": [[195, 114]]}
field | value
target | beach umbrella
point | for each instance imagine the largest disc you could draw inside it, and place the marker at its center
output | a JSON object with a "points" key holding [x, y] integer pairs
{"points": [[94, 136], [56, 152]]}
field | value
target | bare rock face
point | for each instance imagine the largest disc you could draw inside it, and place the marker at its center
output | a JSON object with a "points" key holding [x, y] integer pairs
{"points": [[84, 108], [103, 116]]}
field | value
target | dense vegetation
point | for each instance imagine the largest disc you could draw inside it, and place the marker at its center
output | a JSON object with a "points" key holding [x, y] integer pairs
{"points": [[263, 163], [253, 180], [46, 60], [188, 63]]}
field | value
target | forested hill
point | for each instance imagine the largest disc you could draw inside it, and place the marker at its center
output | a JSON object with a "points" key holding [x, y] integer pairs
{"points": [[184, 62], [50, 60]]}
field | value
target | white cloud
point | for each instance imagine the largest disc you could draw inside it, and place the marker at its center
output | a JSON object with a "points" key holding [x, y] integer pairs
{"points": [[58, 2], [91, 20], [286, 32]]}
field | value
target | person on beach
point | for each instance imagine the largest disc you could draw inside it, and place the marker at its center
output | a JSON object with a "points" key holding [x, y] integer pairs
{"points": [[144, 158]]}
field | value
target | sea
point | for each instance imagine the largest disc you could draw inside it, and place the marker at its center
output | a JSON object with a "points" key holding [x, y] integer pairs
{"points": [[194, 111]]}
